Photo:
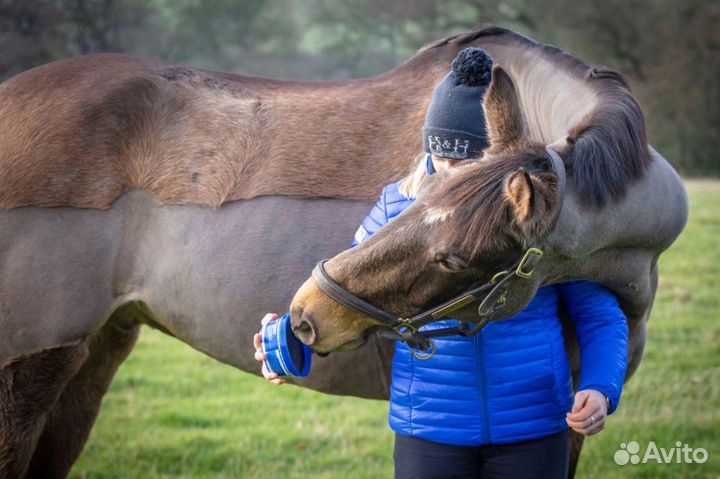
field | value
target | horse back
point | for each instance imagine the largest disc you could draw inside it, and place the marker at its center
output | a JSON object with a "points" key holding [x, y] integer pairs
{"points": [[79, 132]]}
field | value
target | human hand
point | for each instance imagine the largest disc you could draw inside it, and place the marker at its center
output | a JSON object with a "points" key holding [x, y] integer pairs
{"points": [[260, 356], [588, 412]]}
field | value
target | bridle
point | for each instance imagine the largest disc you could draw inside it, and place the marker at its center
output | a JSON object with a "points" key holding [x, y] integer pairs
{"points": [[492, 295]]}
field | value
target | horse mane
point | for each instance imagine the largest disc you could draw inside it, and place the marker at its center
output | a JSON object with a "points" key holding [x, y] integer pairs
{"points": [[605, 151], [475, 193]]}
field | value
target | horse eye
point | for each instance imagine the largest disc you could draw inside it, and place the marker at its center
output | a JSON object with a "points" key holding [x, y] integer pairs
{"points": [[451, 262], [541, 164]]}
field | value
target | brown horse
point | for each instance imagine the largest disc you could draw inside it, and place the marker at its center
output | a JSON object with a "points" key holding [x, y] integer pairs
{"points": [[135, 192]]}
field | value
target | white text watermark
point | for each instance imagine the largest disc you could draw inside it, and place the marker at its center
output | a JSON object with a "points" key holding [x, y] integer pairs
{"points": [[630, 453]]}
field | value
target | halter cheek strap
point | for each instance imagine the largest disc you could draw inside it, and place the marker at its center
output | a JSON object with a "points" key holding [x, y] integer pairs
{"points": [[492, 296]]}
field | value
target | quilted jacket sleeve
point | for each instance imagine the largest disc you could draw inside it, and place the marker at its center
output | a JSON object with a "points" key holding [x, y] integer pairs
{"points": [[374, 221], [602, 333]]}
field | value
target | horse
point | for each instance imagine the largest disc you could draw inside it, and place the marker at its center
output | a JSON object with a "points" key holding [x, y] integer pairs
{"points": [[135, 192], [569, 189]]}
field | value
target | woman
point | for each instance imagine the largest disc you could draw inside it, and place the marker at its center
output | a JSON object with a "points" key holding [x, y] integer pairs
{"points": [[498, 404]]}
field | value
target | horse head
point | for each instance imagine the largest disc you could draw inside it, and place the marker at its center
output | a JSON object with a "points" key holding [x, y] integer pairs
{"points": [[467, 225]]}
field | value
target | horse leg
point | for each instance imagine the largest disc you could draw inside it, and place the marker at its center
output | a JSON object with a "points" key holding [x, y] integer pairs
{"points": [[576, 439], [573, 354], [69, 423], [30, 384], [576, 445]]}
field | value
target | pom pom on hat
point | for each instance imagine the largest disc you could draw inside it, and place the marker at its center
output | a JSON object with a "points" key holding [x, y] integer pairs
{"points": [[473, 67]]}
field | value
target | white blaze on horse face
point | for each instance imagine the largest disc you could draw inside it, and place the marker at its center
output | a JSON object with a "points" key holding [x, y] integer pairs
{"points": [[437, 215]]}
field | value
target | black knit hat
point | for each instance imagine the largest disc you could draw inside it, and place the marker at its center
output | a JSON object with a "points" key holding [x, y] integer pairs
{"points": [[455, 121]]}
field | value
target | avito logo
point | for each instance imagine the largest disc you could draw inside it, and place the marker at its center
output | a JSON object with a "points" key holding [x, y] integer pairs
{"points": [[680, 454]]}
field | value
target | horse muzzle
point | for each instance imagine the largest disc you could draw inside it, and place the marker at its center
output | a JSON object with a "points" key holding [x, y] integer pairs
{"points": [[323, 324]]}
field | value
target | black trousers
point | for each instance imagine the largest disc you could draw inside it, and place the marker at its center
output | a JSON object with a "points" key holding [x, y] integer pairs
{"points": [[545, 458]]}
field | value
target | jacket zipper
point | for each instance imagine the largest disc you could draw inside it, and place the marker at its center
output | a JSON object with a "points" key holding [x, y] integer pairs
{"points": [[483, 385]]}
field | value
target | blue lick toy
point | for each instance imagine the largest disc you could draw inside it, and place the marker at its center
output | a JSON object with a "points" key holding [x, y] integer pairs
{"points": [[286, 355]]}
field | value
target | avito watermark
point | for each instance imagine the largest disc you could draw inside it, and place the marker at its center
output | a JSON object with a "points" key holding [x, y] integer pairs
{"points": [[629, 453]]}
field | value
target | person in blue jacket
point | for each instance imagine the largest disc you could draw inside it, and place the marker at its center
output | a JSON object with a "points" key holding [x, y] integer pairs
{"points": [[498, 404]]}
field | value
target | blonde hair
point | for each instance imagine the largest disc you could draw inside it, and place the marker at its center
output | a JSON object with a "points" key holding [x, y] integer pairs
{"points": [[412, 183]]}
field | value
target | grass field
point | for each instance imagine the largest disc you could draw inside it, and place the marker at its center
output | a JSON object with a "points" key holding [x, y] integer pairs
{"points": [[173, 412]]}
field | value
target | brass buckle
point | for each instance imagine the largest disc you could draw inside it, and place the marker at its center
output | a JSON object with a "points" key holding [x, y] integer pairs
{"points": [[498, 277], [405, 323], [530, 252]]}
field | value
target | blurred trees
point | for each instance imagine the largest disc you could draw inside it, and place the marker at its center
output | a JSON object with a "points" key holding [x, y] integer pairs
{"points": [[33, 32], [670, 50]]}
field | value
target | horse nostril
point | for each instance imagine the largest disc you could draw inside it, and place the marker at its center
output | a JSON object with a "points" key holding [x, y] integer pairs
{"points": [[305, 332]]}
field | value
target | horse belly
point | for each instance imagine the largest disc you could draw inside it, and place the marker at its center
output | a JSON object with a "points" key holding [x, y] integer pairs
{"points": [[209, 275]]}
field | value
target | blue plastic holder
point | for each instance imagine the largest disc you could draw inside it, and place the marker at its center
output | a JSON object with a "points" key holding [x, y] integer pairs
{"points": [[286, 355]]}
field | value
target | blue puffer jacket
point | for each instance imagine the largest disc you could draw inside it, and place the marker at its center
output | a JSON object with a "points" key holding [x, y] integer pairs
{"points": [[512, 381]]}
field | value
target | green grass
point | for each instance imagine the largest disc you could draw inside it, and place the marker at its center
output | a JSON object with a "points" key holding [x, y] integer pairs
{"points": [[173, 412]]}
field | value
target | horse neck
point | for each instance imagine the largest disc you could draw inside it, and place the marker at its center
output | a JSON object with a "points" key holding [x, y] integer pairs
{"points": [[553, 99], [344, 139]]}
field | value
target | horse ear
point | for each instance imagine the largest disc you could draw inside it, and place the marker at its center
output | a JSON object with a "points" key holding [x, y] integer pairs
{"points": [[502, 110], [521, 192], [533, 199]]}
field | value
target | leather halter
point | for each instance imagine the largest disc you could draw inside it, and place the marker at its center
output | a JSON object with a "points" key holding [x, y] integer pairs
{"points": [[492, 296]]}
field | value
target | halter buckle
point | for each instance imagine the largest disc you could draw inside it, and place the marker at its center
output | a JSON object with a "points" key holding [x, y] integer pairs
{"points": [[498, 277], [404, 323], [531, 257]]}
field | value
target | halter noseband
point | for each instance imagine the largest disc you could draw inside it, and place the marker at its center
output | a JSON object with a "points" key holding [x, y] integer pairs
{"points": [[493, 295]]}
